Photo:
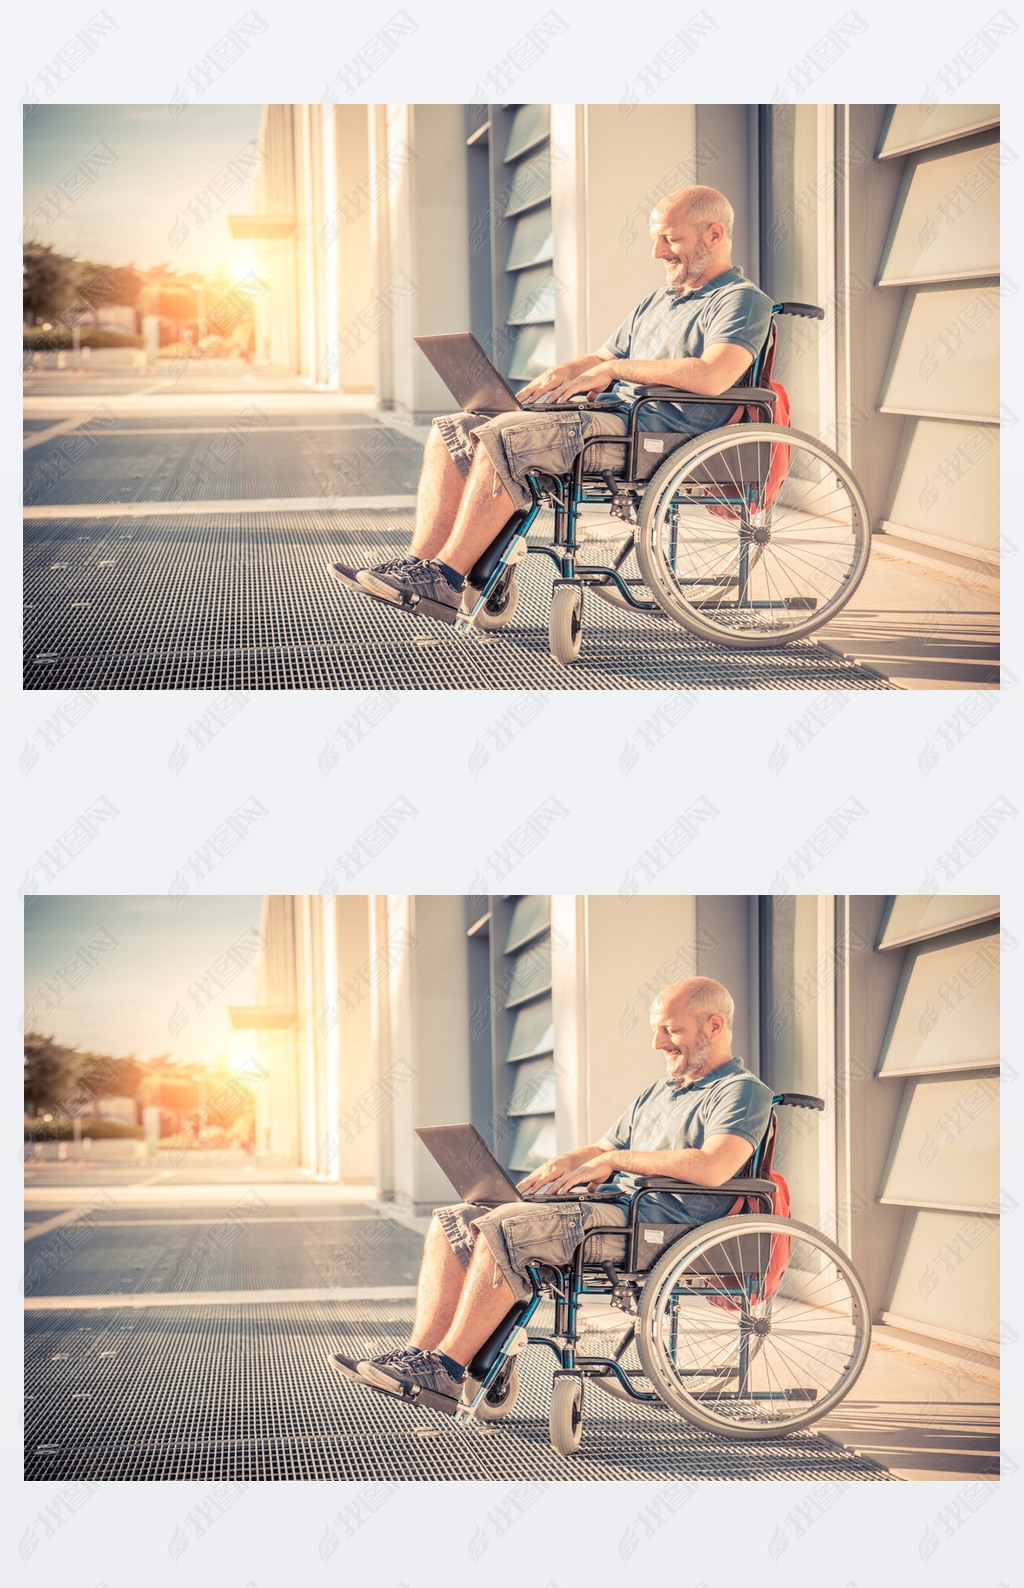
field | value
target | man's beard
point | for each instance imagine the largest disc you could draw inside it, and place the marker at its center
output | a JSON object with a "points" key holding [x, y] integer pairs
{"points": [[695, 269], [690, 1066]]}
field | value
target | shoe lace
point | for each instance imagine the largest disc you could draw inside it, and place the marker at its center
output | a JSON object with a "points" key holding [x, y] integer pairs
{"points": [[405, 1353]]}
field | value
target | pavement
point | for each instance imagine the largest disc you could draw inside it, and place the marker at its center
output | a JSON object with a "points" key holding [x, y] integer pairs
{"points": [[179, 1317], [179, 527]]}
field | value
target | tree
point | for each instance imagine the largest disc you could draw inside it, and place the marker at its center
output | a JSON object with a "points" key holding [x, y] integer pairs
{"points": [[99, 285], [50, 281], [59, 1079], [52, 1072]]}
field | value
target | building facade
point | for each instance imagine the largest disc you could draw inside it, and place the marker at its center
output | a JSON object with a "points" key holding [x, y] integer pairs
{"points": [[528, 1016], [527, 224]]}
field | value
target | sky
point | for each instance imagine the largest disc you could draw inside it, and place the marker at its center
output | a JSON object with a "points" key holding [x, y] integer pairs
{"points": [[128, 203], [149, 957]]}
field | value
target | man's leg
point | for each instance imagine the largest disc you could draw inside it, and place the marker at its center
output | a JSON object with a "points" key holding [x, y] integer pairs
{"points": [[438, 496], [485, 1299], [483, 511], [440, 1285]]}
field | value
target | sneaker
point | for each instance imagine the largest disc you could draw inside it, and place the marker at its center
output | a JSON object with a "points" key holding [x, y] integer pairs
{"points": [[349, 576], [421, 1370], [352, 1367], [421, 582]]}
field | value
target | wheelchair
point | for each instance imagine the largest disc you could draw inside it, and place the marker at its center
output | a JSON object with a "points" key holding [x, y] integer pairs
{"points": [[752, 1326], [750, 535]]}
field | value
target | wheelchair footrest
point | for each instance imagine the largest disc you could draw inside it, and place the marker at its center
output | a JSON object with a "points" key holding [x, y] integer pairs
{"points": [[421, 1397], [420, 607]]}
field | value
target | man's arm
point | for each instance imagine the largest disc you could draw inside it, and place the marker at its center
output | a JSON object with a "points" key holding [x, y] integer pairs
{"points": [[718, 1160], [719, 367]]}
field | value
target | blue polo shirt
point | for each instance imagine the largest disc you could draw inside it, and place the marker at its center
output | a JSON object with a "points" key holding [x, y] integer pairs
{"points": [[728, 308], [728, 1101]]}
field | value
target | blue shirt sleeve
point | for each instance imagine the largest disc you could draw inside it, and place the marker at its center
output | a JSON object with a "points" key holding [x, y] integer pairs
{"points": [[622, 340], [740, 1107], [741, 316], [621, 1133]]}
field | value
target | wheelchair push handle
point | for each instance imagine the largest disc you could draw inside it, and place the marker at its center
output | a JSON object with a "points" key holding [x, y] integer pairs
{"points": [[799, 1100], [808, 311]]}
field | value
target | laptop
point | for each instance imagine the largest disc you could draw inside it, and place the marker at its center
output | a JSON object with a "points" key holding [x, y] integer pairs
{"points": [[475, 1172], [469, 1163], [473, 380]]}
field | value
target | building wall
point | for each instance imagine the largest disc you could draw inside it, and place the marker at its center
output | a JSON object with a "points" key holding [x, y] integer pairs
{"points": [[407, 1010], [923, 1113], [413, 219]]}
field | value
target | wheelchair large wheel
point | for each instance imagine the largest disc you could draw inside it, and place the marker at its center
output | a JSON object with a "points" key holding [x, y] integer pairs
{"points": [[753, 1326], [499, 607], [753, 535]]}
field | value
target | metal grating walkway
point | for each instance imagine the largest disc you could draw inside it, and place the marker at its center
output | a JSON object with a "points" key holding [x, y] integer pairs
{"points": [[207, 461], [104, 1256], [221, 602], [246, 1393]]}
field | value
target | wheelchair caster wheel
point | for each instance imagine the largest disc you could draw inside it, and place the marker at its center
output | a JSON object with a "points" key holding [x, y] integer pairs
{"points": [[499, 608], [500, 1398], [565, 625], [565, 1424]]}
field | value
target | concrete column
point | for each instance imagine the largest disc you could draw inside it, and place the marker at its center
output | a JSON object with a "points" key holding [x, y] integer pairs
{"points": [[427, 288], [310, 1116], [609, 959], [380, 1040], [351, 972], [382, 344], [430, 1050], [356, 183], [866, 1108], [727, 950], [865, 316], [608, 169], [305, 238]]}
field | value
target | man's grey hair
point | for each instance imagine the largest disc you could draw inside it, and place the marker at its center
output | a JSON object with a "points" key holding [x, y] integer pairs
{"points": [[702, 207], [704, 997]]}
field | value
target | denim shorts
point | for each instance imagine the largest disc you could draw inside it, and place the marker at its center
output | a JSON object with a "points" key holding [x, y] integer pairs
{"points": [[532, 1232], [518, 441]]}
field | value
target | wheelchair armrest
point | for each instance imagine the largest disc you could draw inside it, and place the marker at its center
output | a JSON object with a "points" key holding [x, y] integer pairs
{"points": [[734, 394], [727, 1188]]}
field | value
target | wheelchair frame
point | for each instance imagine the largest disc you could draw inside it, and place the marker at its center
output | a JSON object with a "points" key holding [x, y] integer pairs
{"points": [[569, 492], [620, 1283]]}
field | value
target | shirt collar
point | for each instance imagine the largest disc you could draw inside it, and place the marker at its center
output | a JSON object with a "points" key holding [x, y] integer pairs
{"points": [[730, 1067], [734, 273]]}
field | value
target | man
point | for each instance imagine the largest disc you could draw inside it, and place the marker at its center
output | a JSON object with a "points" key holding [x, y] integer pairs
{"points": [[700, 334], [700, 1124]]}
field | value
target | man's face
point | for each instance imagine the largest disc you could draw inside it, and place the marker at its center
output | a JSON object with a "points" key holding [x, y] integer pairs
{"points": [[682, 249], [682, 1039]]}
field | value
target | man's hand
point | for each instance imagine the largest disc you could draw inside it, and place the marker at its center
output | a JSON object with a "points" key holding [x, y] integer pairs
{"points": [[588, 382], [591, 1173], [554, 379], [553, 1173]]}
